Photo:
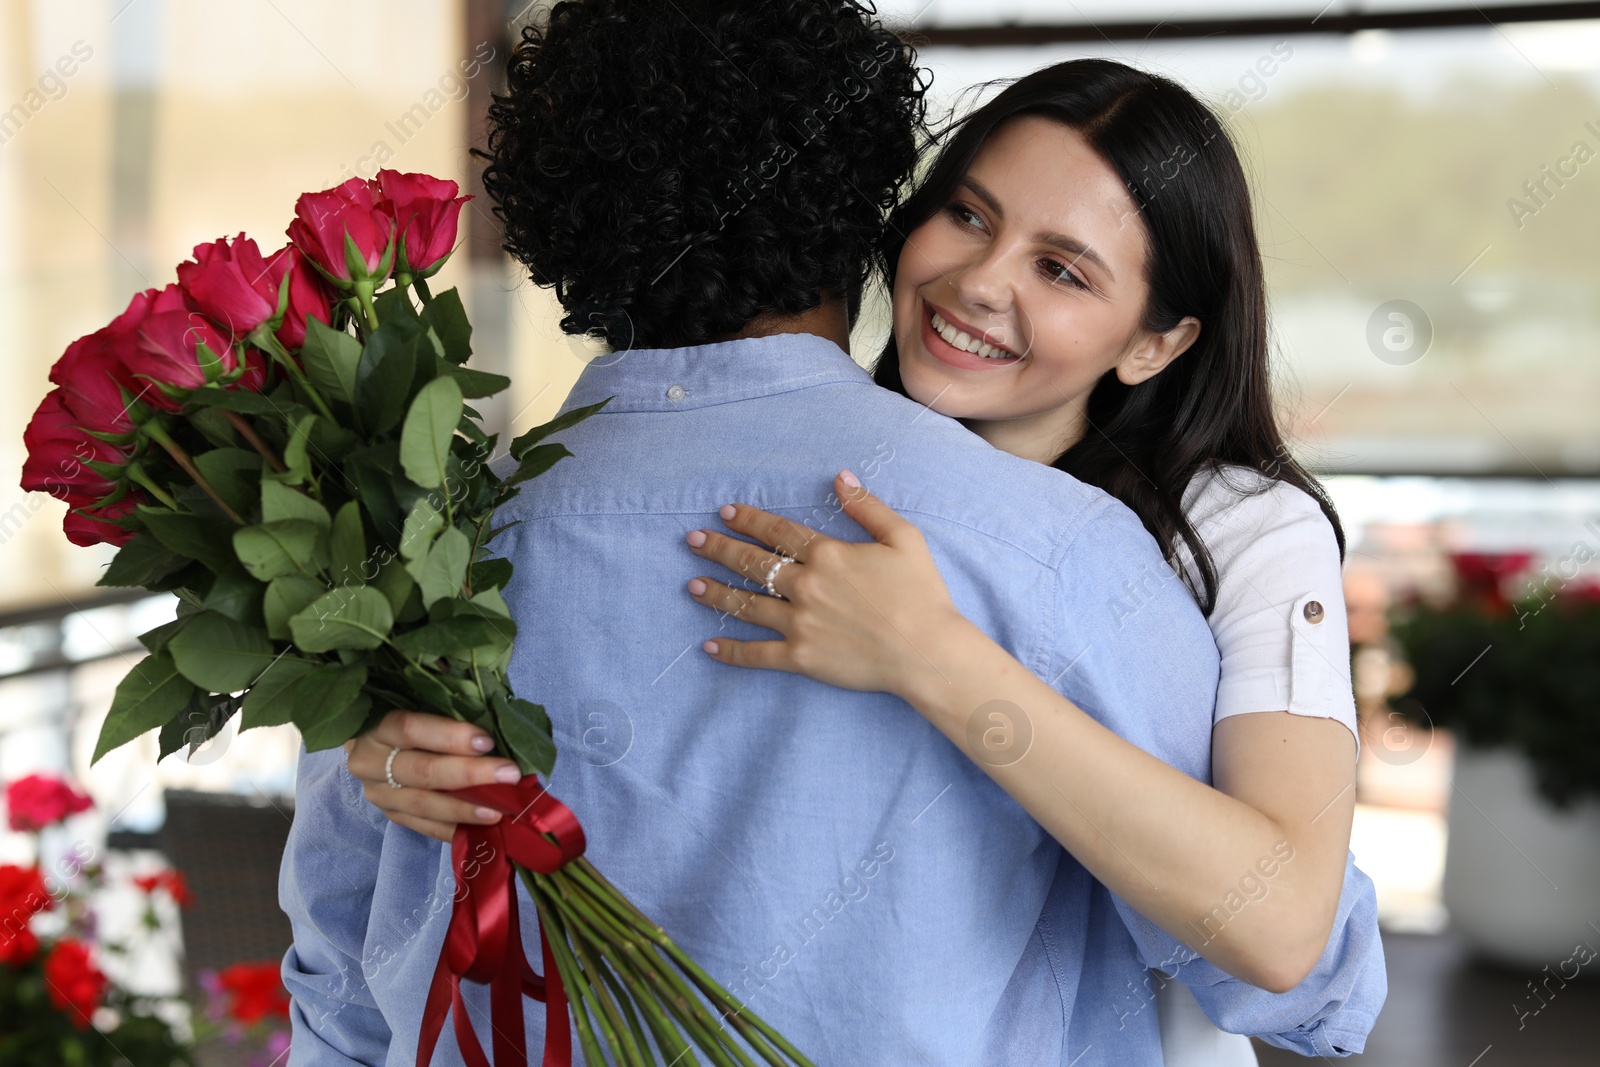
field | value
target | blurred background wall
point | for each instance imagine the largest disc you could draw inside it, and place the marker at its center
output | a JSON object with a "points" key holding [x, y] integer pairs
{"points": [[1427, 182]]}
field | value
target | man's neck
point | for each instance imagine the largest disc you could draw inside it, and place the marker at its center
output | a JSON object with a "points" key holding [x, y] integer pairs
{"points": [[827, 320]]}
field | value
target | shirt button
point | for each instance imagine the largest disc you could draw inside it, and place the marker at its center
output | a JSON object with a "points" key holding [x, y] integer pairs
{"points": [[1313, 611], [675, 393]]}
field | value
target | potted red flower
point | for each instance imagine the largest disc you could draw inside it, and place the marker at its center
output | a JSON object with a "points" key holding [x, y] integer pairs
{"points": [[57, 1004], [1511, 664]]}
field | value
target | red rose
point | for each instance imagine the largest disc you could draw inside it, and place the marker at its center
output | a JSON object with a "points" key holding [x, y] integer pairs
{"points": [[345, 234], [170, 880], [255, 991], [426, 211], [75, 983], [230, 285], [39, 800], [92, 376], [308, 295], [22, 896], [183, 350], [97, 526], [1482, 577], [59, 453]]}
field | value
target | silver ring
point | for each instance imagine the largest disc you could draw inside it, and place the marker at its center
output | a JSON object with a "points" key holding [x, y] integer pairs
{"points": [[388, 768], [772, 574]]}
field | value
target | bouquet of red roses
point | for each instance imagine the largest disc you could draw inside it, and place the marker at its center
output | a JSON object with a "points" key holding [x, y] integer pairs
{"points": [[283, 441]]}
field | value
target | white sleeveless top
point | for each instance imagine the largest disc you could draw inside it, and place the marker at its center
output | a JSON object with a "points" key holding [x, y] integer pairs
{"points": [[1279, 624]]}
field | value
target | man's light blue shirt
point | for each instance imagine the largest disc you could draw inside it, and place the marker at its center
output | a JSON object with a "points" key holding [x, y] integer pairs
{"points": [[827, 855]]}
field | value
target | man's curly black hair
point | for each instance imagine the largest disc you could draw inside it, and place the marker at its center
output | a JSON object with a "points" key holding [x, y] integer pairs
{"points": [[678, 170]]}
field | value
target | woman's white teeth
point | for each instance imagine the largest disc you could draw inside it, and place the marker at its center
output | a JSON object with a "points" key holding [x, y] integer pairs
{"points": [[965, 341]]}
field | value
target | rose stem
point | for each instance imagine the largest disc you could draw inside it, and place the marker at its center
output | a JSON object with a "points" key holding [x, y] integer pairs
{"points": [[556, 936], [276, 350], [181, 457], [248, 432], [666, 1034], [682, 1001], [136, 473], [625, 1002], [628, 1052], [748, 1026], [583, 873]]}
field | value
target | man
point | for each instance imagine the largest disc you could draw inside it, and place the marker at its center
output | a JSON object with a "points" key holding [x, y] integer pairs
{"points": [[702, 184]]}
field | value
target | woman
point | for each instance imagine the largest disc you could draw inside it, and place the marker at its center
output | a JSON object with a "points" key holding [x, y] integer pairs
{"points": [[1077, 281]]}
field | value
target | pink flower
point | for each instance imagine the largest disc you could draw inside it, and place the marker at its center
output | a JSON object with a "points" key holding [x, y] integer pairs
{"points": [[309, 297], [230, 285], [76, 985], [39, 800], [345, 234], [181, 350], [427, 212]]}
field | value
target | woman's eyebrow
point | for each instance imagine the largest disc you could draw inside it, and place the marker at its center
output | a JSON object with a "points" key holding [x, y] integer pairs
{"points": [[1070, 245]]}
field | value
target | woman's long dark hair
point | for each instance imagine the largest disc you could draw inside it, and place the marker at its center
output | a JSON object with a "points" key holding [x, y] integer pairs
{"points": [[1213, 405]]}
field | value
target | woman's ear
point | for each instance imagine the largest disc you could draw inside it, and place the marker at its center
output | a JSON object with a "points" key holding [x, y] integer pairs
{"points": [[1154, 351]]}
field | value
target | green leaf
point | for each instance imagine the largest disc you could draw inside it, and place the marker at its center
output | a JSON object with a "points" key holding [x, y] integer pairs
{"points": [[564, 421], [422, 525], [457, 637], [536, 460], [491, 574], [526, 729], [233, 473], [195, 536], [156, 639], [296, 453], [395, 303], [395, 584], [140, 562], [371, 474], [214, 427], [347, 546], [200, 720], [477, 383], [290, 546], [236, 595], [280, 502], [219, 654], [387, 373], [151, 694], [242, 401], [269, 702], [429, 427], [355, 617], [328, 706], [330, 358], [287, 597], [427, 688], [444, 570], [490, 600], [445, 314]]}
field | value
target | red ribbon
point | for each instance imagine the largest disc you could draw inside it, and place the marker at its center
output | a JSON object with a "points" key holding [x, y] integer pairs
{"points": [[484, 941]]}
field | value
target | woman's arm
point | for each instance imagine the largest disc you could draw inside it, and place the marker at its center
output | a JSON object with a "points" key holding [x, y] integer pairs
{"points": [[1247, 873]]}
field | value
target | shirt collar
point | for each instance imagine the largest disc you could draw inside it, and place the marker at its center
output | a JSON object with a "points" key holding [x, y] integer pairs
{"points": [[674, 379]]}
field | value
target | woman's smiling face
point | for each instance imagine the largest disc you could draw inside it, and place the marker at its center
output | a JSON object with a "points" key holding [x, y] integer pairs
{"points": [[1037, 261]]}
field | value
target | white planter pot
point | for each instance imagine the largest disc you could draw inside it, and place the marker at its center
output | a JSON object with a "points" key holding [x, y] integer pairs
{"points": [[1521, 877]]}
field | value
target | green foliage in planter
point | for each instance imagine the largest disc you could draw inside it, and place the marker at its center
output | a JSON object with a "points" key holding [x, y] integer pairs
{"points": [[1535, 690]]}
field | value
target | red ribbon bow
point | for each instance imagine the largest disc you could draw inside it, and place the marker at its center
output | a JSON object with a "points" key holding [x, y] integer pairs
{"points": [[484, 941]]}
